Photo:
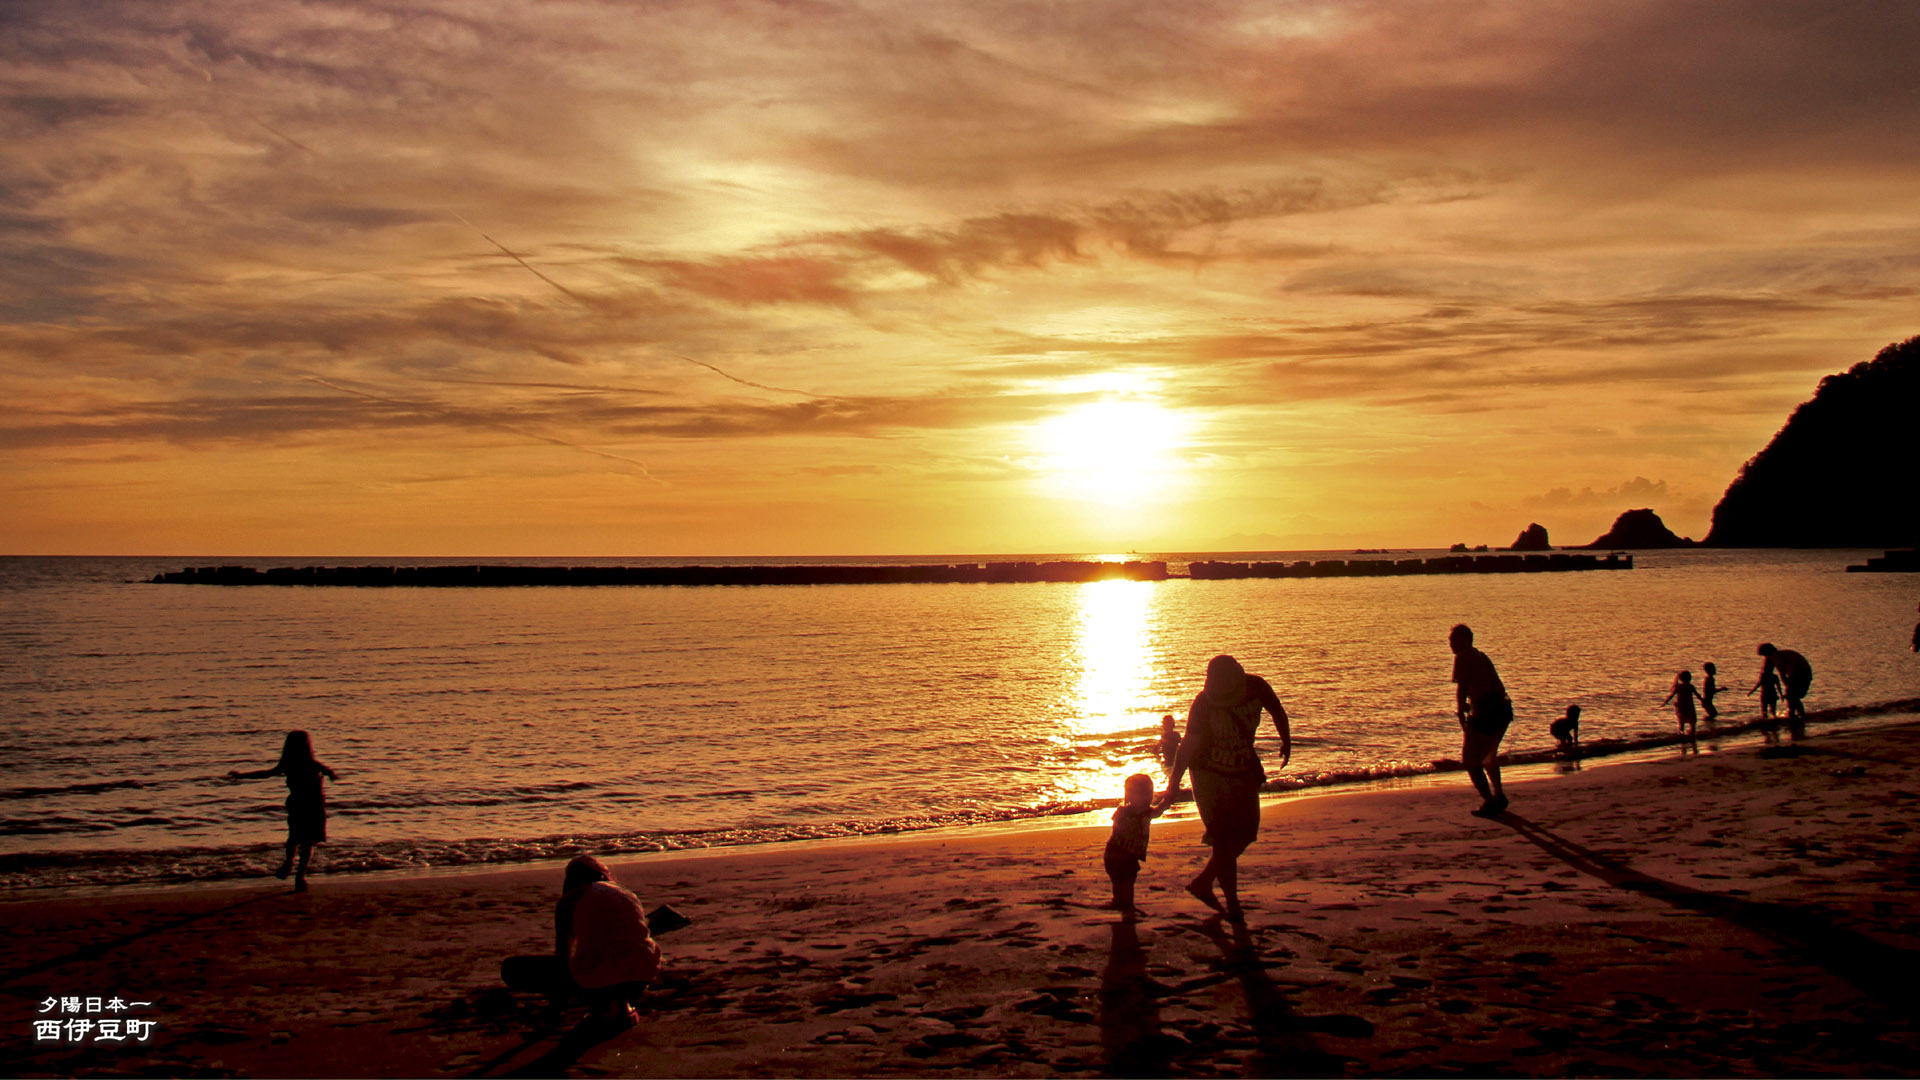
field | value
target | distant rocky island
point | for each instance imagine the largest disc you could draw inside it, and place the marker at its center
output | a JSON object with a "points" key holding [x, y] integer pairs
{"points": [[1840, 473], [1532, 538], [1640, 529]]}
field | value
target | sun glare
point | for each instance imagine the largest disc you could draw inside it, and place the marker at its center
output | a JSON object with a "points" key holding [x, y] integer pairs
{"points": [[1113, 686], [1119, 452]]}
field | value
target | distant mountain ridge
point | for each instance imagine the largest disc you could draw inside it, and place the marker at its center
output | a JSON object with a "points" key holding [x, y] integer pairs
{"points": [[1841, 472]]}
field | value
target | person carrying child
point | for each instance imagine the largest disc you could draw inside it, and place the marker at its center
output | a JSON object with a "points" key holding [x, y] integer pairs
{"points": [[1127, 847], [1683, 695], [306, 801]]}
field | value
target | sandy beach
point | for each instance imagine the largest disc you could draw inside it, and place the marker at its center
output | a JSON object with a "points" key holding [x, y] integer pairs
{"points": [[1737, 912]]}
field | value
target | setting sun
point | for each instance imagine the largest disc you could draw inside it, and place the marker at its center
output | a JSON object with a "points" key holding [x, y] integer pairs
{"points": [[1118, 452]]}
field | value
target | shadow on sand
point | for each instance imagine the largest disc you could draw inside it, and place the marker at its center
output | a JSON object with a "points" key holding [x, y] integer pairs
{"points": [[1287, 1045], [98, 949], [1875, 967]]}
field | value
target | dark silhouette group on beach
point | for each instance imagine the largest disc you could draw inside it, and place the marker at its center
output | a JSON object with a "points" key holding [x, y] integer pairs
{"points": [[1218, 752], [603, 942]]}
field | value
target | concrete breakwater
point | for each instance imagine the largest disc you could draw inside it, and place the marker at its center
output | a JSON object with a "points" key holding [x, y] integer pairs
{"points": [[502, 576], [1449, 564], [489, 576]]}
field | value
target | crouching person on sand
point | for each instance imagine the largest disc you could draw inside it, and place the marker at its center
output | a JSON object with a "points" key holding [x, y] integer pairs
{"points": [[601, 940], [602, 946]]}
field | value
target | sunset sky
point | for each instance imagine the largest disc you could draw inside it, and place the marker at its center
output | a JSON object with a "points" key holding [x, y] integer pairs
{"points": [[684, 278]]}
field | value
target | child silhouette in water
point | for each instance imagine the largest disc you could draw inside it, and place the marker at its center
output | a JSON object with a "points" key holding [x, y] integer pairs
{"points": [[1707, 690], [1169, 741], [1566, 730], [1127, 847], [1769, 687], [1683, 695], [306, 801]]}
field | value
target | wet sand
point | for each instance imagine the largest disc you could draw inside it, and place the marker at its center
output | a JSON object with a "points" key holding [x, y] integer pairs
{"points": [[1734, 913]]}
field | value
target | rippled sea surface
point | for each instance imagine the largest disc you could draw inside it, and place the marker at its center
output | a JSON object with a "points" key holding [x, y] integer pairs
{"points": [[518, 723]]}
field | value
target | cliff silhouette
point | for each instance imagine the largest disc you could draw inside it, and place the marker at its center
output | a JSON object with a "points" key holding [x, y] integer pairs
{"points": [[1640, 529], [1839, 474]]}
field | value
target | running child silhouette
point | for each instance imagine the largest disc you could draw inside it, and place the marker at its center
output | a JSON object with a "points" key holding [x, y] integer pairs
{"points": [[1127, 847], [1683, 695], [306, 801]]}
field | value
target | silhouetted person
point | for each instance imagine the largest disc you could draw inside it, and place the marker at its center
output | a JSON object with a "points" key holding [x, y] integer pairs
{"points": [[306, 802], [1566, 730], [1708, 688], [601, 940], [1769, 686], [1227, 774], [1127, 847], [1484, 710], [1683, 695], [1796, 678], [1169, 741]]}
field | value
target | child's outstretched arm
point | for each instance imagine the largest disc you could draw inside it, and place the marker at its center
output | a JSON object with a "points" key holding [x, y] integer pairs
{"points": [[261, 774]]}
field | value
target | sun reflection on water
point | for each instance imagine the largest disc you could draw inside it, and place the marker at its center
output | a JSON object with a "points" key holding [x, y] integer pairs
{"points": [[1114, 719]]}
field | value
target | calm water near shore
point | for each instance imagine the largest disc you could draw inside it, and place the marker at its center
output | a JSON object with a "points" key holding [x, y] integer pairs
{"points": [[514, 724]]}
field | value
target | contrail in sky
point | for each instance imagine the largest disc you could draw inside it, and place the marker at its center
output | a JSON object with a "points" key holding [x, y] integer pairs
{"points": [[508, 428], [511, 254], [564, 291], [584, 302]]}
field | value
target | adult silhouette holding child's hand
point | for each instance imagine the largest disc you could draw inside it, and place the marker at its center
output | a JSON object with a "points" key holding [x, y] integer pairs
{"points": [[1227, 775]]}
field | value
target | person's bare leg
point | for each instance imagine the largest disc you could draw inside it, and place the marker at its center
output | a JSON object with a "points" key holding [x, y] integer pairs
{"points": [[1201, 887], [1229, 877], [286, 865], [1473, 752], [300, 875]]}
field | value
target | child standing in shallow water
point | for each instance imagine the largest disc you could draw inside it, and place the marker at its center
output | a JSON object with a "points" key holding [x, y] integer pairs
{"points": [[1707, 690], [1127, 847], [1169, 742], [1769, 687], [306, 801], [1683, 696]]}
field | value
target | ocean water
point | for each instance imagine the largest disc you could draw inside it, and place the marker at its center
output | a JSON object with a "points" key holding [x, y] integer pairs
{"points": [[487, 725]]}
